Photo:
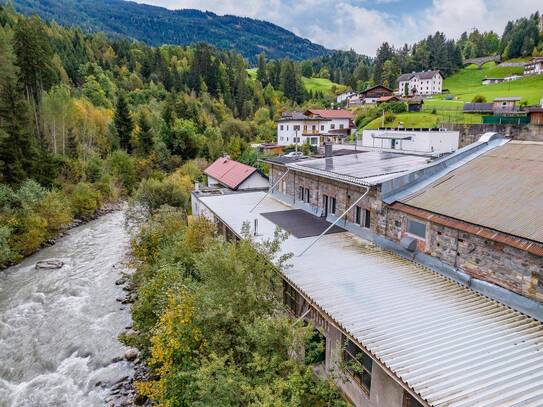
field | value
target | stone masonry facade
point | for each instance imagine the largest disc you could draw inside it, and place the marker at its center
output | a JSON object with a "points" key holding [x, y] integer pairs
{"points": [[514, 269], [483, 259]]}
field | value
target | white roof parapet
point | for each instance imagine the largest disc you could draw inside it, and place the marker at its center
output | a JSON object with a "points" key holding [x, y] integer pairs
{"points": [[449, 344]]}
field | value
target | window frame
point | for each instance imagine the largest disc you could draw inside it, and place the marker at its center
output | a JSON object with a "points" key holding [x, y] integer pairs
{"points": [[367, 218], [415, 235], [361, 358], [358, 215], [332, 205]]}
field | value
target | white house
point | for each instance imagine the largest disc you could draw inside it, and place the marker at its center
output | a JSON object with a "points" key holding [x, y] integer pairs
{"points": [[420, 141], [315, 126], [420, 83], [342, 97], [534, 67], [234, 175]]}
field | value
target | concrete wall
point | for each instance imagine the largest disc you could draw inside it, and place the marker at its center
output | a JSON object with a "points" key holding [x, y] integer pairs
{"points": [[255, 181], [487, 260]]}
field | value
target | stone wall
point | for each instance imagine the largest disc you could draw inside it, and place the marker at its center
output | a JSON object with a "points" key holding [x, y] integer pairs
{"points": [[345, 195], [470, 133], [487, 260]]}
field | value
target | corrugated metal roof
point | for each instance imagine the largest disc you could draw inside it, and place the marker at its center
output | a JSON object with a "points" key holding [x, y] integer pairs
{"points": [[229, 172], [501, 189], [367, 168], [450, 345]]}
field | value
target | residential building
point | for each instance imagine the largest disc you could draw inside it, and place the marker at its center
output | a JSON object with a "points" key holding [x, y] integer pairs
{"points": [[420, 83], [344, 96], [315, 126], [534, 67], [234, 175], [382, 286], [414, 104], [433, 142], [387, 99], [373, 94]]}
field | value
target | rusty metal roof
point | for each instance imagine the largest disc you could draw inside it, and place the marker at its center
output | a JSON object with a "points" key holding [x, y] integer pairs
{"points": [[501, 189]]}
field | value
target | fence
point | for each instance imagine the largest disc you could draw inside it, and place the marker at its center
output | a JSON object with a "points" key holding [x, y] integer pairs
{"points": [[506, 120]]}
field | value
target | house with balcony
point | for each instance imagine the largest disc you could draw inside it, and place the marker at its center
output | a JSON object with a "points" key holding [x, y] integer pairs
{"points": [[534, 66], [314, 127]]}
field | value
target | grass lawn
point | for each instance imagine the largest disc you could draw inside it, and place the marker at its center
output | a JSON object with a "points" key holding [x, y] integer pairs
{"points": [[321, 85], [314, 84], [466, 84], [427, 120]]}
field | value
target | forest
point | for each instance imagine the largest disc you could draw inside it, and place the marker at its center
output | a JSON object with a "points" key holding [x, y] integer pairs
{"points": [[84, 118]]}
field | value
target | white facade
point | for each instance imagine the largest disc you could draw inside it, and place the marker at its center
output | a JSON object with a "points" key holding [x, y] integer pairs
{"points": [[344, 96], [534, 67], [421, 84], [303, 131], [432, 142]]}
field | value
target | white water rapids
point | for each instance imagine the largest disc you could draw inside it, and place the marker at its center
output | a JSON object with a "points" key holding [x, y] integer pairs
{"points": [[59, 328]]}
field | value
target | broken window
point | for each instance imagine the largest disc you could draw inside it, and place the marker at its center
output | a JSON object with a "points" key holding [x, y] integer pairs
{"points": [[358, 364], [315, 348]]}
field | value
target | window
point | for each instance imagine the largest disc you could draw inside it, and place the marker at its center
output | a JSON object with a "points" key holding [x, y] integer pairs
{"points": [[358, 215], [313, 127], [296, 128], [281, 127], [358, 364], [332, 206], [341, 126], [287, 126], [305, 128], [332, 126], [314, 141], [290, 297], [367, 218], [416, 228], [307, 195], [322, 127], [301, 193]]}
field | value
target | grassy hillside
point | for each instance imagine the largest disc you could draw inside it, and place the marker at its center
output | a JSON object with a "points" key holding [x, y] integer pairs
{"points": [[466, 84], [427, 119], [314, 84], [157, 26], [321, 85]]}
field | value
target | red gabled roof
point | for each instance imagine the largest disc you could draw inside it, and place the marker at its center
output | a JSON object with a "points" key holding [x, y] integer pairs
{"points": [[229, 172], [332, 113]]}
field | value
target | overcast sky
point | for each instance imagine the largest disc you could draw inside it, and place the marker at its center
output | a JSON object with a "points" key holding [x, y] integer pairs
{"points": [[364, 24]]}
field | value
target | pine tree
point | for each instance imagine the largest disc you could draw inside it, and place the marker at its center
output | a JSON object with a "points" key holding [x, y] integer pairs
{"points": [[123, 123], [145, 136], [261, 73], [17, 147]]}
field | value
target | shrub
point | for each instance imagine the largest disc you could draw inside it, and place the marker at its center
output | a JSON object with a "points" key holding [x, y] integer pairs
{"points": [[479, 99], [152, 194], [123, 168], [55, 210], [31, 233], [6, 254], [395, 107], [85, 200], [93, 169], [434, 111], [389, 117], [29, 194]]}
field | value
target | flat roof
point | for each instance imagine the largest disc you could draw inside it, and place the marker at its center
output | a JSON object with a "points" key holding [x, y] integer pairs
{"points": [[501, 190], [449, 344], [365, 168]]}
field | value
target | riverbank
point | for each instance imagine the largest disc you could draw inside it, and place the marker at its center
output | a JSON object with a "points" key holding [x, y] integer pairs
{"points": [[105, 209]]}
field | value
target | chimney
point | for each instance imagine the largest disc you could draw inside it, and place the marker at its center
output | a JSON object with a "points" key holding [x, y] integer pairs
{"points": [[328, 149]]}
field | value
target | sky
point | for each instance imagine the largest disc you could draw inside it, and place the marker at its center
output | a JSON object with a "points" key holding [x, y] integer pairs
{"points": [[365, 24]]}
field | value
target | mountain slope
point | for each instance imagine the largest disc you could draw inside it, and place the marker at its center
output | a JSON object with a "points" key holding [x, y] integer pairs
{"points": [[157, 26]]}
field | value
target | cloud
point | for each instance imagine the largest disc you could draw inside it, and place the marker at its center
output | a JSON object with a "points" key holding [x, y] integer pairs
{"points": [[362, 24]]}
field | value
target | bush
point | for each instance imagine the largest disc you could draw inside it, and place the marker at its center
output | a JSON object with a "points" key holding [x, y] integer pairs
{"points": [[6, 254], [395, 107], [434, 111], [389, 117], [55, 210], [479, 99], [123, 168], [85, 200], [152, 194]]}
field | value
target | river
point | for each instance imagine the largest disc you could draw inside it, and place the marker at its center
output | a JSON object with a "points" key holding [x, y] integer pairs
{"points": [[59, 328]]}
